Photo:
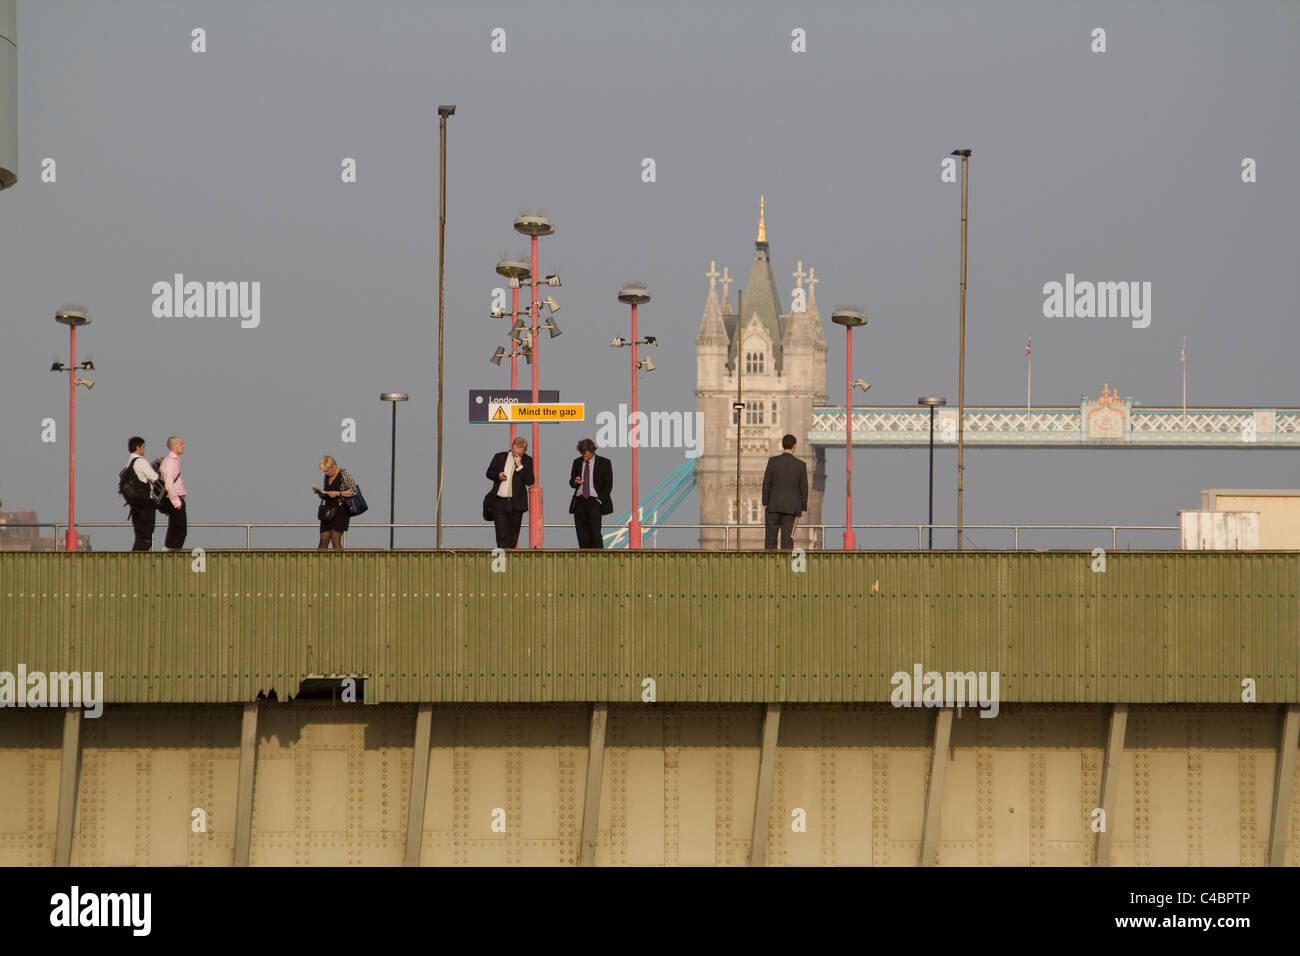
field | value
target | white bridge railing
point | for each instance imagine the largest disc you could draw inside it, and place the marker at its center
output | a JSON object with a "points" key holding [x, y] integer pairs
{"points": [[1091, 424]]}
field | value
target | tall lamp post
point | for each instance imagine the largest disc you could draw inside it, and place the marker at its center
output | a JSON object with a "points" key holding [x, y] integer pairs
{"points": [[393, 397], [961, 367], [73, 316], [514, 270], [738, 406], [534, 225], [850, 317], [443, 113], [634, 294], [932, 403]]}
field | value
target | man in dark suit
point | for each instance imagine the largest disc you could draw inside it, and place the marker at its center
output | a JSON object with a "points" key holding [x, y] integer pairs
{"points": [[511, 472], [785, 495], [592, 478]]}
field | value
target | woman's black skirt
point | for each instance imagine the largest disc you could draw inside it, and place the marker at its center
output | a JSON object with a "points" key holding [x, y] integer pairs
{"points": [[340, 520]]}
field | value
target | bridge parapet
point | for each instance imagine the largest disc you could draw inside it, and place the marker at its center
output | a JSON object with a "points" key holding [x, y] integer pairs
{"points": [[555, 626]]}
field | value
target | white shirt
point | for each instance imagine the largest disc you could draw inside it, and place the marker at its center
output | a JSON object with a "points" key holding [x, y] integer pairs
{"points": [[504, 489], [143, 470]]}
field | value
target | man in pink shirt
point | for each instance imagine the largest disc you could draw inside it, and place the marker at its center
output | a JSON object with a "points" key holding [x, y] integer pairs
{"points": [[177, 520]]}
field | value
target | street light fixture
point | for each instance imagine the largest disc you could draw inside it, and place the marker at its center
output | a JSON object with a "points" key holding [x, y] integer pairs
{"points": [[931, 402], [73, 316], [513, 355], [634, 294], [393, 397], [851, 317]]}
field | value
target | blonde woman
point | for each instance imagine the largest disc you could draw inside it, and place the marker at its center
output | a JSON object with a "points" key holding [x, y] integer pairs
{"points": [[333, 512]]}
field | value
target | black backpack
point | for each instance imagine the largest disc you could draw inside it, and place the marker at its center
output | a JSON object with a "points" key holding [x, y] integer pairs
{"points": [[136, 492]]}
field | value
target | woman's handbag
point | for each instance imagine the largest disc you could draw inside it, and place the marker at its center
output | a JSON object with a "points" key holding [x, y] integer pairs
{"points": [[355, 503], [327, 510]]}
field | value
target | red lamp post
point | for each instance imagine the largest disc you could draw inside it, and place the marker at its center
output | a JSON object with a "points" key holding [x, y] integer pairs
{"points": [[634, 294], [534, 225], [73, 316], [850, 317]]}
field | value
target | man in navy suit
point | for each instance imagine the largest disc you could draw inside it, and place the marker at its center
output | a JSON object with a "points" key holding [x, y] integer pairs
{"points": [[592, 478], [511, 472]]}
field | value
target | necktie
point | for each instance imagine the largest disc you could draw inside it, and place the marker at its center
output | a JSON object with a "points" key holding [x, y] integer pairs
{"points": [[586, 480]]}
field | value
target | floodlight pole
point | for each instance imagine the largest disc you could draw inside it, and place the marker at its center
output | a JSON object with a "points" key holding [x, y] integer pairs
{"points": [[534, 225], [931, 402], [850, 318], [394, 398], [740, 403], [961, 372], [443, 113], [535, 514], [634, 526], [72, 316], [70, 542], [634, 295]]}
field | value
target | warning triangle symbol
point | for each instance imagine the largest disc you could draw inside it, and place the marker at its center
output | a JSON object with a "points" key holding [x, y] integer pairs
{"points": [[500, 415]]}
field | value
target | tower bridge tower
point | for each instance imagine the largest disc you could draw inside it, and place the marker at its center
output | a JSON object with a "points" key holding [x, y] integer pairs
{"points": [[781, 361]]}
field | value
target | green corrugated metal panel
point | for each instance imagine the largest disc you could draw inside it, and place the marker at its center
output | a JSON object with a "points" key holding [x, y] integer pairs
{"points": [[707, 626]]}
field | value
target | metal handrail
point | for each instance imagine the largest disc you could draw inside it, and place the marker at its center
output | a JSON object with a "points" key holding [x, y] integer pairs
{"points": [[726, 529]]}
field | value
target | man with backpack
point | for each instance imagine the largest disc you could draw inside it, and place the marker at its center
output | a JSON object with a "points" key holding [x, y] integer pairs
{"points": [[141, 486]]}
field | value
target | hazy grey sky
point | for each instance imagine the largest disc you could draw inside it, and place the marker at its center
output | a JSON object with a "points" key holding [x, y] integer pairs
{"points": [[225, 165]]}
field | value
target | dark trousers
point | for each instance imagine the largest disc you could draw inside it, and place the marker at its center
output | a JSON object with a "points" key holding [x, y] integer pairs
{"points": [[177, 526], [776, 521], [586, 520], [143, 519], [507, 520]]}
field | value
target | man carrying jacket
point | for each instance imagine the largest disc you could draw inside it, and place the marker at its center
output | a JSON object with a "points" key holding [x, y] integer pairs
{"points": [[512, 473]]}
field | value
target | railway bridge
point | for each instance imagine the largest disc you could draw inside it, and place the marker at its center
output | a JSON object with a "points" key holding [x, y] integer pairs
{"points": [[653, 707]]}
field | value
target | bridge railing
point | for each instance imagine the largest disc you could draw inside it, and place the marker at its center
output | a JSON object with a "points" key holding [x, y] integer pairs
{"points": [[479, 535]]}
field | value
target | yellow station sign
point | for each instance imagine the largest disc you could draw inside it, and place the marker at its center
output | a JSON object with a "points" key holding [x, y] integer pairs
{"points": [[567, 412]]}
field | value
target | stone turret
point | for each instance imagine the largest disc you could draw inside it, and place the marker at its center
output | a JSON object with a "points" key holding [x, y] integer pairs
{"points": [[781, 362]]}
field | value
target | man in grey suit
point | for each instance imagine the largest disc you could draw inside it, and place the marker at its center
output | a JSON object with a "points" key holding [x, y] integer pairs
{"points": [[785, 495]]}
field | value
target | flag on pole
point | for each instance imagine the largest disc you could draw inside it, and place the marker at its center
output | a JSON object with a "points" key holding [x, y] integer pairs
{"points": [[1183, 355], [1028, 344]]}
